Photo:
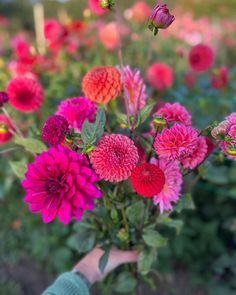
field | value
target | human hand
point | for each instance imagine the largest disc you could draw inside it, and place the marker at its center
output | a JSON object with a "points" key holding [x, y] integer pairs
{"points": [[89, 265]]}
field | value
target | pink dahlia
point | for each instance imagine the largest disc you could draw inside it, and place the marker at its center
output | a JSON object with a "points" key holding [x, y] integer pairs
{"points": [[54, 31], [220, 78], [170, 193], [76, 110], [176, 143], [147, 179], [201, 58], [114, 158], [160, 76], [25, 94], [60, 183], [134, 87], [198, 155], [54, 130], [94, 6], [5, 129], [174, 112]]}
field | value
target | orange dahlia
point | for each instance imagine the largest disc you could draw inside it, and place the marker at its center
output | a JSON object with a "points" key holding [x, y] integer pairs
{"points": [[102, 84]]}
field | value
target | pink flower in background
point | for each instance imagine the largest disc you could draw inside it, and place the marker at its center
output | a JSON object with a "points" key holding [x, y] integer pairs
{"points": [[160, 18], [109, 35], [198, 155], [114, 157], [55, 34], [60, 183], [172, 187], [160, 76], [190, 79], [95, 7], [25, 95], [54, 130], [201, 58], [220, 78], [140, 12], [134, 87], [21, 47], [176, 143], [174, 112], [19, 69], [5, 129], [76, 110]]}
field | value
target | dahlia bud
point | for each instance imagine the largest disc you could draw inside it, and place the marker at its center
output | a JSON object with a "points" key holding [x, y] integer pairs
{"points": [[3, 98], [160, 18], [159, 121], [123, 235], [106, 4], [89, 149], [3, 128], [231, 150]]}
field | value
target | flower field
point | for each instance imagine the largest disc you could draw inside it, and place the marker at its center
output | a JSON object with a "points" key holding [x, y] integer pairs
{"points": [[118, 129]]}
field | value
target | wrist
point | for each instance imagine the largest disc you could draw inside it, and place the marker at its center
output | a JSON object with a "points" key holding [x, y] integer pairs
{"points": [[89, 274]]}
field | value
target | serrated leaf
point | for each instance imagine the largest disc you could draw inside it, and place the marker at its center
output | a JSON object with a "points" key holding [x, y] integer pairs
{"points": [[19, 168], [154, 239], [146, 260], [185, 202], [125, 283], [135, 212], [103, 260], [31, 144]]}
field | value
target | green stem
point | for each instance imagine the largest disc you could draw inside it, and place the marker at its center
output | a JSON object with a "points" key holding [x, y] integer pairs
{"points": [[125, 220]]}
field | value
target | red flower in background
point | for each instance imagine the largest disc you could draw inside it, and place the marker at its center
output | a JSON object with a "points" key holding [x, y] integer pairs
{"points": [[190, 79], [5, 126], [95, 7], [25, 94], [55, 34], [220, 78], [201, 58], [102, 84], [160, 76]]}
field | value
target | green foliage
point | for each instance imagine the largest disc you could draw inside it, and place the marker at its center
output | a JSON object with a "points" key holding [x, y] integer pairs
{"points": [[154, 239], [31, 144], [103, 260], [19, 168], [125, 283], [135, 212], [146, 260]]}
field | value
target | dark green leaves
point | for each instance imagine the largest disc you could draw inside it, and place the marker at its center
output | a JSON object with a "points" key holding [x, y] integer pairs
{"points": [[135, 212], [154, 239], [31, 144], [125, 283], [92, 132], [146, 260], [103, 260], [19, 168], [185, 202]]}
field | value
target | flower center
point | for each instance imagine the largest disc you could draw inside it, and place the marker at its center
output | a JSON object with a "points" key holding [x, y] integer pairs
{"points": [[53, 186]]}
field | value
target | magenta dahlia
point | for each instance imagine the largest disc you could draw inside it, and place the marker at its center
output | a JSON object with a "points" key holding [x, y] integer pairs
{"points": [[76, 110], [176, 143], [60, 183], [114, 158], [54, 130], [170, 192]]}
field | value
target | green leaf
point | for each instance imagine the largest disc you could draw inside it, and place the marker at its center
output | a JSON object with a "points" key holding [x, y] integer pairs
{"points": [[83, 241], [92, 132], [154, 239], [125, 283], [177, 224], [31, 144], [185, 202], [103, 260], [146, 111], [19, 168], [135, 212], [146, 260]]}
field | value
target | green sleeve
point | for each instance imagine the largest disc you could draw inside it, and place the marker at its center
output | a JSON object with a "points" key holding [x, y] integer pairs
{"points": [[68, 284]]}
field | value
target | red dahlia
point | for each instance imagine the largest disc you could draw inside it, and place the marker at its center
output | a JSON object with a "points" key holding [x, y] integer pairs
{"points": [[147, 179]]}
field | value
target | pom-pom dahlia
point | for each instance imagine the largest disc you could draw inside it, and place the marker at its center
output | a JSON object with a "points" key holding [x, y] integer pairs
{"points": [[198, 155], [160, 76], [134, 87], [76, 110], [54, 130], [60, 183], [147, 179], [5, 129], [201, 58], [25, 94], [174, 112], [176, 143], [114, 157], [102, 84], [170, 192]]}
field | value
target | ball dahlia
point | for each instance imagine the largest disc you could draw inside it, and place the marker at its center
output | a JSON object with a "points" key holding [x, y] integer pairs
{"points": [[5, 127], [60, 183], [174, 112], [198, 155], [176, 143], [54, 130], [102, 84], [147, 179], [201, 58], [114, 158], [134, 87], [170, 192], [25, 94], [76, 110]]}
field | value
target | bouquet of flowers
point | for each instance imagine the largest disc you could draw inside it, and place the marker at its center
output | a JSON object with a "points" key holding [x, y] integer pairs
{"points": [[112, 162]]}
